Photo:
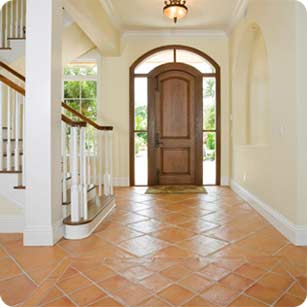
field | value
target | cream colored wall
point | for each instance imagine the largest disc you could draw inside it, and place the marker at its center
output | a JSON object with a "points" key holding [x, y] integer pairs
{"points": [[271, 172], [115, 90], [301, 65]]}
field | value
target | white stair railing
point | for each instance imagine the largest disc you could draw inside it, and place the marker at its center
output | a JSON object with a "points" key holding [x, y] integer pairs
{"points": [[13, 22], [87, 160], [12, 99]]}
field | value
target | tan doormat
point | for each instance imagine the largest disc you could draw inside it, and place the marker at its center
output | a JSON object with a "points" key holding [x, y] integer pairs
{"points": [[176, 189]]}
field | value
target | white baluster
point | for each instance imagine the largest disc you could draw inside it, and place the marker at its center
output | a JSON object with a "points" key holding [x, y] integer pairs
{"points": [[21, 18], [94, 157], [100, 161], [88, 152], [106, 174], [23, 140], [12, 19], [111, 161], [1, 29], [8, 144], [17, 130], [1, 126], [83, 183], [16, 17], [64, 159], [6, 26], [75, 206]]}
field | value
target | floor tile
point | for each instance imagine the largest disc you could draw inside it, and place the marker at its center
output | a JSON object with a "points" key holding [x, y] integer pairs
{"points": [[100, 273], [155, 282], [196, 283], [106, 302], [9, 293], [176, 272], [244, 301], [148, 226], [62, 302], [143, 246], [73, 283], [8, 268], [175, 294], [199, 302], [173, 235], [249, 271], [236, 282], [137, 273], [133, 295], [220, 295], [87, 295], [289, 301], [264, 294], [114, 283], [153, 302], [214, 272]]}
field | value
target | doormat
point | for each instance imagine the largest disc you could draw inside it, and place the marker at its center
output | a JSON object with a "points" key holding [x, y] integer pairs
{"points": [[176, 189]]}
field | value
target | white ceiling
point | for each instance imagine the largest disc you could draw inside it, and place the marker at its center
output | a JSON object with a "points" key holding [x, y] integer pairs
{"points": [[148, 15]]}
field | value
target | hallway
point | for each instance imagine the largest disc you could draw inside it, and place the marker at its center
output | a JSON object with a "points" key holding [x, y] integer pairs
{"points": [[164, 250]]}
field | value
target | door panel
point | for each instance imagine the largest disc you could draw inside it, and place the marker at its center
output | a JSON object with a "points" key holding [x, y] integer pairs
{"points": [[175, 125]]}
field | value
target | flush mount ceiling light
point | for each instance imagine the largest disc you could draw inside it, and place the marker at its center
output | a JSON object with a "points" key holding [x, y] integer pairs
{"points": [[175, 9]]}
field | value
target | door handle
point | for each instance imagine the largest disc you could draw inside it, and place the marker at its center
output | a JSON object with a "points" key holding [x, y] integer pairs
{"points": [[157, 140]]}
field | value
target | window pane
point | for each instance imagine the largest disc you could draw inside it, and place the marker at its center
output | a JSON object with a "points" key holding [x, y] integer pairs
{"points": [[209, 103], [88, 108], [155, 60], [209, 158], [195, 60], [72, 89], [141, 159], [88, 89], [81, 69], [141, 101]]}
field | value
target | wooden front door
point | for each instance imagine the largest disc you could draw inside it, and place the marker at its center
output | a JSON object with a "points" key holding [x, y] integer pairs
{"points": [[175, 125]]}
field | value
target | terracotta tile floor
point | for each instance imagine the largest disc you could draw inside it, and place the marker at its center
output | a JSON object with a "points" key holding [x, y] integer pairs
{"points": [[163, 250]]}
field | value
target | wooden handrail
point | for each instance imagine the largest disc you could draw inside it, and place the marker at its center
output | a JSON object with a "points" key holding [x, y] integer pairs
{"points": [[84, 118], [72, 123], [12, 71], [13, 85]]}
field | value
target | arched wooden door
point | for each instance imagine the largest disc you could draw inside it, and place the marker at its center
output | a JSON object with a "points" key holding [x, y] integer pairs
{"points": [[175, 125]]}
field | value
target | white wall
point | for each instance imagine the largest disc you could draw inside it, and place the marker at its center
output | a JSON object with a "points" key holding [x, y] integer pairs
{"points": [[275, 173], [115, 91]]}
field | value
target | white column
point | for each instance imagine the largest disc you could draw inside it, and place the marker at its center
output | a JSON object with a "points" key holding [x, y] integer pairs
{"points": [[43, 207]]}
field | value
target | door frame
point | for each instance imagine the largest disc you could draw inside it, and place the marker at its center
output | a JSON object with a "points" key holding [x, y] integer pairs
{"points": [[198, 119], [132, 131]]}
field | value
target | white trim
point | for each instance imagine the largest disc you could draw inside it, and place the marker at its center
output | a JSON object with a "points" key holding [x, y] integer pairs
{"points": [[43, 235], [121, 182], [297, 234], [238, 13], [173, 33], [78, 232], [12, 224], [110, 11]]}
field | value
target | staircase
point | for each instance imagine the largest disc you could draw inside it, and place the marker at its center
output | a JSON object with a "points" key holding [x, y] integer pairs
{"points": [[13, 23], [87, 185]]}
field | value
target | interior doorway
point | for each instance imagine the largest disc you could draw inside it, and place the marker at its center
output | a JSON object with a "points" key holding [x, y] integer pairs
{"points": [[192, 84]]}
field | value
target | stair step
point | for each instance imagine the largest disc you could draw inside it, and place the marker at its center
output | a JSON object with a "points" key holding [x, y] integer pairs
{"points": [[12, 140], [10, 172], [95, 207], [12, 154], [20, 187], [90, 189]]}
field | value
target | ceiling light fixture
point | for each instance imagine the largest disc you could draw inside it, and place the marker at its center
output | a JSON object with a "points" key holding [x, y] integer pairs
{"points": [[175, 9]]}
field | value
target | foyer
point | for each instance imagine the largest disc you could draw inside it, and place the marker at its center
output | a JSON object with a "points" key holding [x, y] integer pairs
{"points": [[100, 99]]}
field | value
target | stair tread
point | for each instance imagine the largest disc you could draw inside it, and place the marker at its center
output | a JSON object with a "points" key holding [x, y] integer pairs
{"points": [[10, 172], [90, 188], [95, 206], [20, 187]]}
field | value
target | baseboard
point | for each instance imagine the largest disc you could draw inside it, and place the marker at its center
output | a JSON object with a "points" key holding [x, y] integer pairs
{"points": [[296, 234], [43, 235], [11, 224], [121, 181]]}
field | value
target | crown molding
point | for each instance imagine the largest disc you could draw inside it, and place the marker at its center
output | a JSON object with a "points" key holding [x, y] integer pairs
{"points": [[173, 33], [111, 12], [238, 13]]}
